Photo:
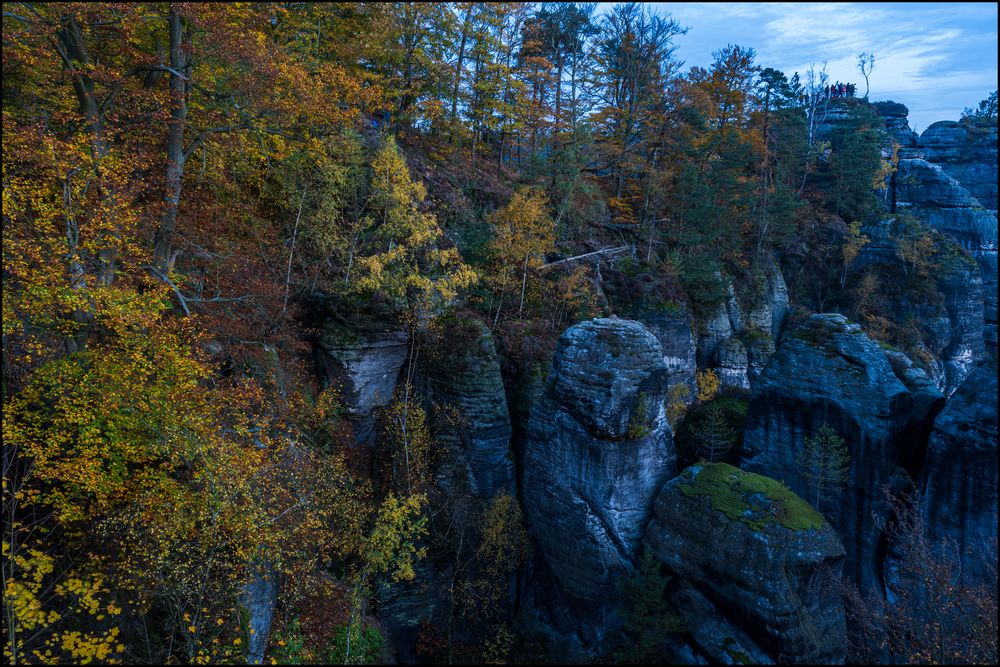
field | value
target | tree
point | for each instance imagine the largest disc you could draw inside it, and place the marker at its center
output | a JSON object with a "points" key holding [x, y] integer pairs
{"points": [[713, 434], [987, 109], [932, 614], [397, 257], [524, 232], [866, 63], [853, 243], [824, 462], [646, 613]]}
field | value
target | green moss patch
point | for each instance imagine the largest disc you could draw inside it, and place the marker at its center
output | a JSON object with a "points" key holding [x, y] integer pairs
{"points": [[755, 500]]}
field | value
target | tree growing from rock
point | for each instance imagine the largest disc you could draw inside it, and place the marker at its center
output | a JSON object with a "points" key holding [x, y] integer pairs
{"points": [[824, 461], [714, 435]]}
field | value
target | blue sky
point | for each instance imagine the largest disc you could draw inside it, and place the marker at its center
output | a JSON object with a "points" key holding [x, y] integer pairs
{"points": [[936, 58]]}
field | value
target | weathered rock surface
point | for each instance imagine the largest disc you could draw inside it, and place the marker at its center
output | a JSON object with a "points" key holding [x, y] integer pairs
{"points": [[929, 188], [469, 406], [897, 123], [952, 322], [768, 561], [365, 366], [959, 483], [733, 364], [598, 449], [967, 151], [828, 372], [674, 331], [260, 598], [753, 313]]}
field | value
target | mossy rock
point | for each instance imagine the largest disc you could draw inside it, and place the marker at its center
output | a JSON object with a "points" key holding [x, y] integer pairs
{"points": [[753, 499]]}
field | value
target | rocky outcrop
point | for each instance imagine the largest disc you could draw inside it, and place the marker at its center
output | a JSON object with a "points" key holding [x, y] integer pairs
{"points": [[959, 482], [948, 177], [365, 366], [967, 151], [769, 562], [260, 598], [598, 449], [733, 364], [927, 191], [946, 305], [469, 407], [828, 372], [897, 124], [674, 331], [754, 314]]}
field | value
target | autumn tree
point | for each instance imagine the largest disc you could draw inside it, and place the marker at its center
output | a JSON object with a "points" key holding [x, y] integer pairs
{"points": [[397, 257], [932, 615], [524, 232]]}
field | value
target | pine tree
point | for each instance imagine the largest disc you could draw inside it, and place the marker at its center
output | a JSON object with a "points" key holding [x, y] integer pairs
{"points": [[824, 461]]}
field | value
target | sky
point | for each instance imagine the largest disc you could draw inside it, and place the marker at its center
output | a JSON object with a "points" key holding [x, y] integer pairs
{"points": [[936, 58]]}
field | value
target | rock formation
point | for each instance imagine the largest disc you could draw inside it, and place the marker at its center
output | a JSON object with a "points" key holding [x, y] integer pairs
{"points": [[365, 366], [598, 449], [959, 482], [828, 372], [946, 305], [466, 391], [769, 562]]}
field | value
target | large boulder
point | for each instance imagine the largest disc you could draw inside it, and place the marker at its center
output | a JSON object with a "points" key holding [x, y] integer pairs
{"points": [[827, 372], [598, 449], [897, 124], [469, 407], [959, 482], [365, 366], [769, 562]]}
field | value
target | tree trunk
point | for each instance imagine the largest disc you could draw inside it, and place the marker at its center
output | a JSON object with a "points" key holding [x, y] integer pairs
{"points": [[179, 88], [458, 65]]}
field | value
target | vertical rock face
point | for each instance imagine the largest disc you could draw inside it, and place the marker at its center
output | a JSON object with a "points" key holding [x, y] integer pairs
{"points": [[829, 372], [967, 152], [952, 327], [948, 177], [755, 314], [598, 449], [928, 192], [462, 373], [675, 333], [260, 598], [897, 124], [769, 562], [733, 364], [959, 482], [365, 365]]}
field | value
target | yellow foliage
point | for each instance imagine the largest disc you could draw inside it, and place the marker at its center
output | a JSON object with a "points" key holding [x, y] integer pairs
{"points": [[708, 385]]}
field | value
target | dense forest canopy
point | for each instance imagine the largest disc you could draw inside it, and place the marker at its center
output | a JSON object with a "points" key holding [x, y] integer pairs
{"points": [[189, 188]]}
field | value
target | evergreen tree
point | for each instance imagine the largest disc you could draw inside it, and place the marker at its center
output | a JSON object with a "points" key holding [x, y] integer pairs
{"points": [[714, 435], [824, 462], [646, 614]]}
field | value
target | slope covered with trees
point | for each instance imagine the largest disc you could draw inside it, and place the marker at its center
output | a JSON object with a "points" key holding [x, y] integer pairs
{"points": [[196, 195]]}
